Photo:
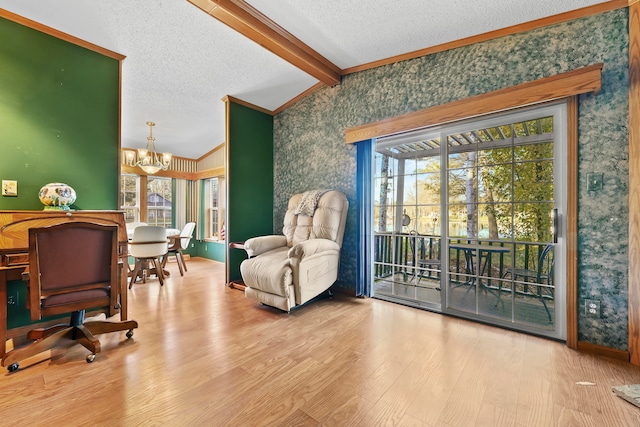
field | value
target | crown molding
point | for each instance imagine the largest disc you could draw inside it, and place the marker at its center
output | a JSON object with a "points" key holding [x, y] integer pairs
{"points": [[59, 34], [491, 35]]}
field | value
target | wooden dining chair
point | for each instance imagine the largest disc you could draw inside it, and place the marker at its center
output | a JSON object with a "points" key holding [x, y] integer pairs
{"points": [[148, 245], [178, 243]]}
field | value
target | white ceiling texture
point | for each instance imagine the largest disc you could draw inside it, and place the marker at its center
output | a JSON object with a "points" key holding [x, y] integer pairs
{"points": [[180, 62]]}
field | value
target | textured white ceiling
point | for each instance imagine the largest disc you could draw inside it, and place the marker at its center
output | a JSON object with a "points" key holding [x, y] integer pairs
{"points": [[181, 62], [356, 32]]}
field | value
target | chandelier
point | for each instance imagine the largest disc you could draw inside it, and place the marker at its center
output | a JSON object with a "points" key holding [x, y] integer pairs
{"points": [[148, 159]]}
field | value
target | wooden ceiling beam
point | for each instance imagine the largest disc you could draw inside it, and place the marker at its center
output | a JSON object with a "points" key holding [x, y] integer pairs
{"points": [[249, 22]]}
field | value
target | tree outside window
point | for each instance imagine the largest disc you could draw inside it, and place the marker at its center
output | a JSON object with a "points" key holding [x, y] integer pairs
{"points": [[129, 197]]}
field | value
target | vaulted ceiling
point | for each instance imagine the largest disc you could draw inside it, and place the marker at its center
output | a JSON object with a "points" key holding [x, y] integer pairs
{"points": [[184, 56]]}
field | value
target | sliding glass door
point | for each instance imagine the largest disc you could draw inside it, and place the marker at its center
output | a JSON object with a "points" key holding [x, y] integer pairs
{"points": [[407, 221], [468, 219]]}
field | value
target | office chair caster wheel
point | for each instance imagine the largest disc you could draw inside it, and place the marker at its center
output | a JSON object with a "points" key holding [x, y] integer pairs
{"points": [[13, 367], [91, 358], [129, 333]]}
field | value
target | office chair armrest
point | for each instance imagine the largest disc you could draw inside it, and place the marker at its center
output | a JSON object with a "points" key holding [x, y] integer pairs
{"points": [[261, 244], [312, 247]]}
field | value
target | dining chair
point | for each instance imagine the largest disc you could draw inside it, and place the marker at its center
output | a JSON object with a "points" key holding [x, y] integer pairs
{"points": [[178, 243], [148, 244], [540, 278], [426, 256]]}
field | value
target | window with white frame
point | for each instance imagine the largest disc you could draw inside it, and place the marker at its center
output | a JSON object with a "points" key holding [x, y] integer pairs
{"points": [[159, 201], [214, 208], [129, 197]]}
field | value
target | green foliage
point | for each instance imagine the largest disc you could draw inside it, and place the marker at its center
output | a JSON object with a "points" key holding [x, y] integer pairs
{"points": [[499, 177]]}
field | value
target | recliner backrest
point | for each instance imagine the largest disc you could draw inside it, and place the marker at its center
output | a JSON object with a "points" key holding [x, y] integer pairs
{"points": [[328, 220]]}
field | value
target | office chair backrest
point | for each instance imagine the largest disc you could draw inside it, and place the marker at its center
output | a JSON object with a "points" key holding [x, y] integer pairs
{"points": [[72, 265]]}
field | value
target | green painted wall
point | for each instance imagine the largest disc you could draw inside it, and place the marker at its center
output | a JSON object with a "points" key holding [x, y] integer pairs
{"points": [[58, 118], [59, 107], [209, 250], [249, 179]]}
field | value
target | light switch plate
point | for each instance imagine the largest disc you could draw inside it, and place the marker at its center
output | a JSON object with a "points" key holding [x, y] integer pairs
{"points": [[9, 188], [594, 181]]}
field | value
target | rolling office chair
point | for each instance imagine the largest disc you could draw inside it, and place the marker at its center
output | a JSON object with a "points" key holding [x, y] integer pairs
{"points": [[73, 267]]}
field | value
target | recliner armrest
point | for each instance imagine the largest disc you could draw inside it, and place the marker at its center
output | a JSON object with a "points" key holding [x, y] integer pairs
{"points": [[261, 244], [312, 247]]}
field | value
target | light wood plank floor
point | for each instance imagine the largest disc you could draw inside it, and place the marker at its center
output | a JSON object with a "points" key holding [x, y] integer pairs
{"points": [[206, 356]]}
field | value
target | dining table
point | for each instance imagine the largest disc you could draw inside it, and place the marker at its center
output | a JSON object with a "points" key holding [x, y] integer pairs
{"points": [[171, 232], [482, 251]]}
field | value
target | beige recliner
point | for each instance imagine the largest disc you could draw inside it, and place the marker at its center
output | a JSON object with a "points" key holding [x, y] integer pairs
{"points": [[285, 271]]}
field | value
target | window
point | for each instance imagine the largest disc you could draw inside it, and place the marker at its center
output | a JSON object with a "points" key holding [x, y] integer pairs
{"points": [[129, 200], [214, 207], [159, 201]]}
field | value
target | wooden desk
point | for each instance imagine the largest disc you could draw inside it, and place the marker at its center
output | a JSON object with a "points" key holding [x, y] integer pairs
{"points": [[14, 252]]}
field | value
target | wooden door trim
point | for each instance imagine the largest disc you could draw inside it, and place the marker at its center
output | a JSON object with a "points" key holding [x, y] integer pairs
{"points": [[575, 82]]}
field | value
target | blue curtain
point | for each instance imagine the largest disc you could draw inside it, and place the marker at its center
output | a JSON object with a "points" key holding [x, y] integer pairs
{"points": [[364, 194]]}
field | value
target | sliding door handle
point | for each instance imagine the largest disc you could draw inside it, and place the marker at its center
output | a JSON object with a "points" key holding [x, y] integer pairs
{"points": [[554, 227]]}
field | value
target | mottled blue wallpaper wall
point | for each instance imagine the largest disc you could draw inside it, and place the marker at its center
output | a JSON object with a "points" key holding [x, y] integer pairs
{"points": [[310, 150]]}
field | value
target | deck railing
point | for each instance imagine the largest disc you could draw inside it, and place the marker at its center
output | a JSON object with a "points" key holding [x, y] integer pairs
{"points": [[398, 252]]}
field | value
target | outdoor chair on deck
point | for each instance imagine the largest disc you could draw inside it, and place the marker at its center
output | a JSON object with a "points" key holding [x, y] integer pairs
{"points": [[426, 257], [538, 282]]}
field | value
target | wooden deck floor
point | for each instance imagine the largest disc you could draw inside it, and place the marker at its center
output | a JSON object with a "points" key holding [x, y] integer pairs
{"points": [[204, 355]]}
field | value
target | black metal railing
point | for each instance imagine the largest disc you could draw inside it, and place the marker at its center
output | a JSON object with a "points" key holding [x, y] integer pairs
{"points": [[398, 252]]}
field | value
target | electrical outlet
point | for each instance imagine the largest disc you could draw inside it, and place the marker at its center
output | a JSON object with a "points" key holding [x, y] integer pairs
{"points": [[592, 307]]}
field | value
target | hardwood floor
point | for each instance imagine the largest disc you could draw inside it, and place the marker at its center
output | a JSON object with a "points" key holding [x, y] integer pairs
{"points": [[204, 355]]}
